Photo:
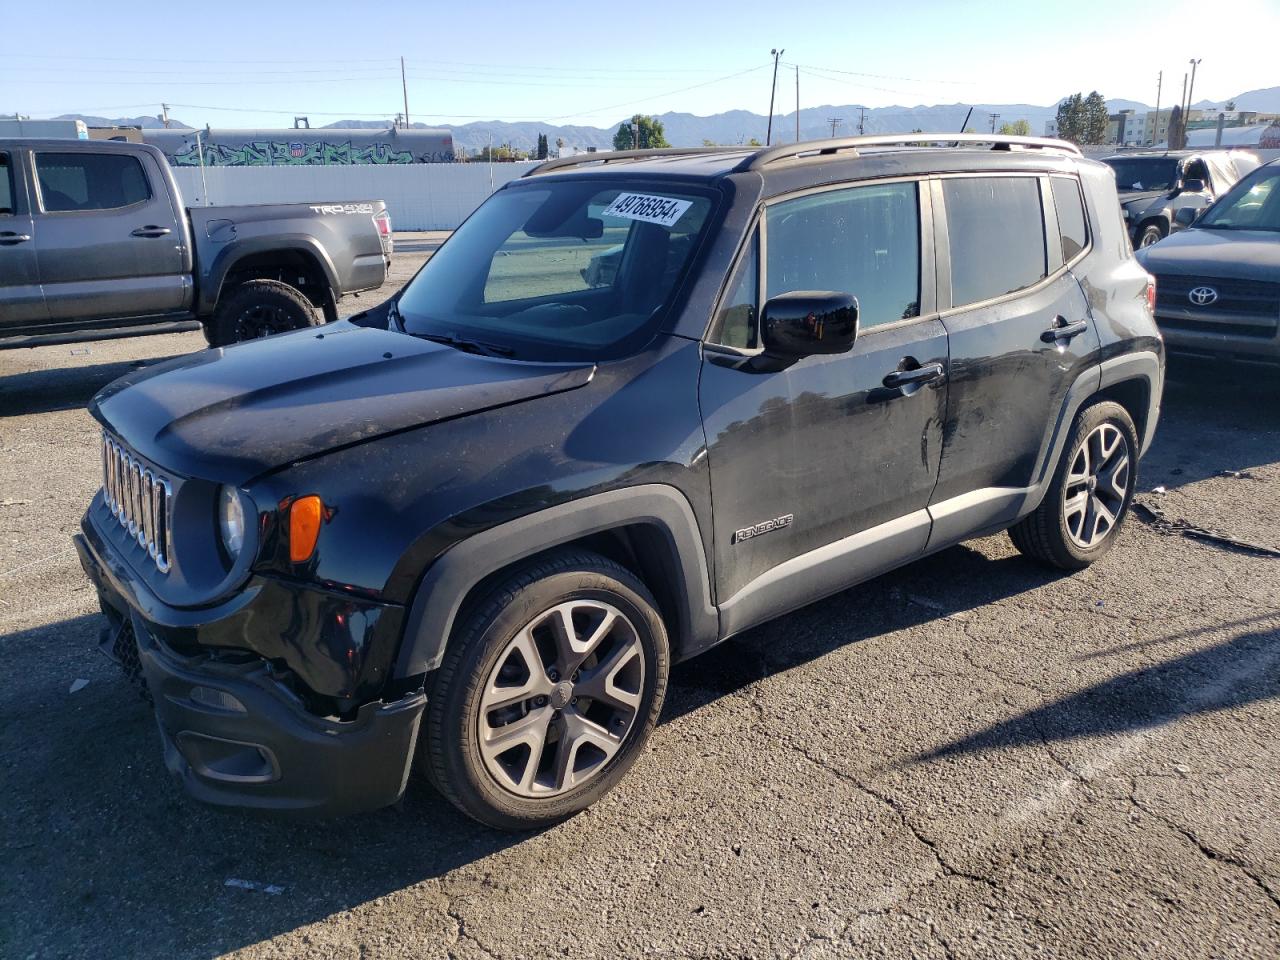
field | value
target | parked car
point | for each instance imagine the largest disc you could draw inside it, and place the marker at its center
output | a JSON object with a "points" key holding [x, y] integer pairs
{"points": [[477, 525], [1154, 186], [95, 244], [1218, 281]]}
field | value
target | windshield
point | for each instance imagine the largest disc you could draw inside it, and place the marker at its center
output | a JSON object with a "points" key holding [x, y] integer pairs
{"points": [[1254, 204], [560, 270], [1144, 173]]}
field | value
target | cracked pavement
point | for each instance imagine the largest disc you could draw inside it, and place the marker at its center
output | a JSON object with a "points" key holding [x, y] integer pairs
{"points": [[969, 757]]}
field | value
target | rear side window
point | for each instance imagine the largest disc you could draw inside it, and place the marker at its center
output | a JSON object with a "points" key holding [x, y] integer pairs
{"points": [[6, 185], [995, 227], [1071, 223], [864, 241], [90, 181]]}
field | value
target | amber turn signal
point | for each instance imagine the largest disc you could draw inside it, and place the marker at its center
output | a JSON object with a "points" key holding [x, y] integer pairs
{"points": [[304, 527]]}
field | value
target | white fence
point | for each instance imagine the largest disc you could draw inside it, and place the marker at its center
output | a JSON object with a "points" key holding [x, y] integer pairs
{"points": [[420, 196]]}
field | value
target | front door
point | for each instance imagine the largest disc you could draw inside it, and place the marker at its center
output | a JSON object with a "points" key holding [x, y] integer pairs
{"points": [[1020, 334], [21, 300], [821, 472], [110, 241]]}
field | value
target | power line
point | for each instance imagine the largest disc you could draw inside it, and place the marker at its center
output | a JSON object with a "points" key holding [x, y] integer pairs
{"points": [[877, 76]]}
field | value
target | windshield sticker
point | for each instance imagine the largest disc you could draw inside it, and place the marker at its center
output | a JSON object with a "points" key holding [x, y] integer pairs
{"points": [[641, 206]]}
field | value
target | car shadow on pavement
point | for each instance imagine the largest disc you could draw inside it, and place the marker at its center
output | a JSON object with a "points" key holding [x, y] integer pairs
{"points": [[951, 582], [62, 388], [1215, 421], [1232, 673]]}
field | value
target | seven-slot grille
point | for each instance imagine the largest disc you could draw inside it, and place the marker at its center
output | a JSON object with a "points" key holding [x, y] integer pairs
{"points": [[140, 499]]}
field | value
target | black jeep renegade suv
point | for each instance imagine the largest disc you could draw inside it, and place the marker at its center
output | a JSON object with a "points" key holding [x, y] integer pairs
{"points": [[637, 403]]}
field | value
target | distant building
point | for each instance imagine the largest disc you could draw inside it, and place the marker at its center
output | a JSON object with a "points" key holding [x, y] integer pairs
{"points": [[1051, 128], [1123, 128], [327, 146]]}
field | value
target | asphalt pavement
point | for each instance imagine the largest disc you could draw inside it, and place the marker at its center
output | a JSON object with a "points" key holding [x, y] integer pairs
{"points": [[970, 757]]}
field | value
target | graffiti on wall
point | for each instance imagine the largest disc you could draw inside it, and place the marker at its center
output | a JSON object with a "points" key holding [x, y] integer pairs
{"points": [[277, 153]]}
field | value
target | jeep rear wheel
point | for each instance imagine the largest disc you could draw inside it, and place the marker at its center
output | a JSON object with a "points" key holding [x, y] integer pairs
{"points": [[259, 308], [548, 691], [1081, 514]]}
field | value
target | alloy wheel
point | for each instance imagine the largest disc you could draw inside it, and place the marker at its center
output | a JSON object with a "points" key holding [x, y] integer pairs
{"points": [[263, 321], [1097, 483], [561, 699]]}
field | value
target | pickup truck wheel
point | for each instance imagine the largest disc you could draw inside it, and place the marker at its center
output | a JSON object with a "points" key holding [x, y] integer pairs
{"points": [[547, 694], [1081, 514], [1150, 234], [259, 308]]}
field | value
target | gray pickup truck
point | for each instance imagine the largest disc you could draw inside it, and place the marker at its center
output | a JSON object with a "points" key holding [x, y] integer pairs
{"points": [[95, 244]]}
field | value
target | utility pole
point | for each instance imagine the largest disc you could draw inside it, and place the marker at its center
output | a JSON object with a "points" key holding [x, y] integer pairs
{"points": [[994, 118], [1191, 90], [797, 104], [164, 114], [1155, 127], [773, 89], [404, 87], [862, 120], [833, 121]]}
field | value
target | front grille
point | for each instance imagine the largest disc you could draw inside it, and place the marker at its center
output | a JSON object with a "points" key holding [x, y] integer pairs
{"points": [[1254, 330], [1242, 298], [140, 499]]}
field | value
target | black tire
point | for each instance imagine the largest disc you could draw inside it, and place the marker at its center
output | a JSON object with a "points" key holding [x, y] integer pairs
{"points": [[1151, 233], [1046, 534], [449, 748], [258, 308]]}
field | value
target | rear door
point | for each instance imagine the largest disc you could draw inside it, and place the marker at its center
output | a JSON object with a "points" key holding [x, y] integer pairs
{"points": [[821, 472], [21, 300], [110, 242], [1020, 334]]}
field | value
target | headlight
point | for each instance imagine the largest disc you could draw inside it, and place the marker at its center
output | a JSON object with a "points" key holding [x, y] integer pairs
{"points": [[231, 521]]}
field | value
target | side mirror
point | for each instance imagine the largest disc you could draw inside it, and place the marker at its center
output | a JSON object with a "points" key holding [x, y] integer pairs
{"points": [[1186, 216], [806, 322], [1193, 185]]}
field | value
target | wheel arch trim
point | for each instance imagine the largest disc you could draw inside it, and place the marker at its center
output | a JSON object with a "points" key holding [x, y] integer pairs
{"points": [[226, 261], [438, 599]]}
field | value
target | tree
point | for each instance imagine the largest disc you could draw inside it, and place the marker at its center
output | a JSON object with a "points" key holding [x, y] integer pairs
{"points": [[542, 146], [1070, 118], [640, 133], [1176, 133], [1230, 105], [754, 142], [1019, 128], [1096, 118], [708, 143]]}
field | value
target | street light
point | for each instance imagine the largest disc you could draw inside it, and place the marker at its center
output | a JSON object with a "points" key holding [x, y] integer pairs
{"points": [[1192, 89], [777, 54]]}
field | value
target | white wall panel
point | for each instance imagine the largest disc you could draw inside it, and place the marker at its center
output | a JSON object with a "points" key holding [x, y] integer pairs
{"points": [[420, 196]]}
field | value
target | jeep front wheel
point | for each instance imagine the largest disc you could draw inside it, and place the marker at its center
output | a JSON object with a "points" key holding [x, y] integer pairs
{"points": [[547, 694], [259, 308], [1150, 234]]}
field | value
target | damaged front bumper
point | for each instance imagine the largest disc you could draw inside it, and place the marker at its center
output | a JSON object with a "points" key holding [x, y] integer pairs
{"points": [[233, 732]]}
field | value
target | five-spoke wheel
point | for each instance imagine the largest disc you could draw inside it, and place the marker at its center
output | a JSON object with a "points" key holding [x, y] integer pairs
{"points": [[549, 688]]}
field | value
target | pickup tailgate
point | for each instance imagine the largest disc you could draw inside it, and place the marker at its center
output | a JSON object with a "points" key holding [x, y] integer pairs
{"points": [[351, 240]]}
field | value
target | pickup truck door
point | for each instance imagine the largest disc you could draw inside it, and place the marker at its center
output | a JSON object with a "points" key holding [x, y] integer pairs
{"points": [[21, 300], [111, 241]]}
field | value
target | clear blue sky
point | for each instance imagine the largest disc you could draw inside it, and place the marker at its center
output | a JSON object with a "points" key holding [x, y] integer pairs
{"points": [[237, 63]]}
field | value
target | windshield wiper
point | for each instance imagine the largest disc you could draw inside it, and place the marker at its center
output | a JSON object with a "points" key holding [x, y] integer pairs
{"points": [[468, 346]]}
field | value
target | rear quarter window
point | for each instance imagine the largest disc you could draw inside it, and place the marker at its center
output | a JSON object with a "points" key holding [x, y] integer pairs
{"points": [[995, 228], [6, 185], [90, 181], [1072, 227]]}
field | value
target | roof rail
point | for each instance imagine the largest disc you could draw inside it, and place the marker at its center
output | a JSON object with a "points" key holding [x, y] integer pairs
{"points": [[998, 141], [611, 156]]}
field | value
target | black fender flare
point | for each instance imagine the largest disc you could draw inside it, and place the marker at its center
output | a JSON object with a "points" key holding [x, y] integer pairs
{"points": [[227, 258], [452, 576]]}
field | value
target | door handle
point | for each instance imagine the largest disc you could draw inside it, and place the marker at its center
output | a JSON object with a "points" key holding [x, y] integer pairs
{"points": [[1061, 330], [150, 231], [920, 375], [8, 238]]}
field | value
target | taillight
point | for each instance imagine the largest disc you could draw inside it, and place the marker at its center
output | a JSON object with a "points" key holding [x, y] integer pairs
{"points": [[1151, 294], [383, 222]]}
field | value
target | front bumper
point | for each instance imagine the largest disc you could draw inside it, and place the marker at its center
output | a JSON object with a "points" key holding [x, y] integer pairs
{"points": [[235, 735]]}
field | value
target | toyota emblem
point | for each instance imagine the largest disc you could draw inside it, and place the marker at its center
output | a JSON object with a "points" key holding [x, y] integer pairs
{"points": [[1202, 296]]}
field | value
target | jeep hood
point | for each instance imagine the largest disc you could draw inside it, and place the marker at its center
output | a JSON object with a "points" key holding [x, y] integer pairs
{"points": [[1138, 196], [234, 413], [1229, 254]]}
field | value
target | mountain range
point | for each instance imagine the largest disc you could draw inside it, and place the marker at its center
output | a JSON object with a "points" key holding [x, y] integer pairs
{"points": [[739, 126]]}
